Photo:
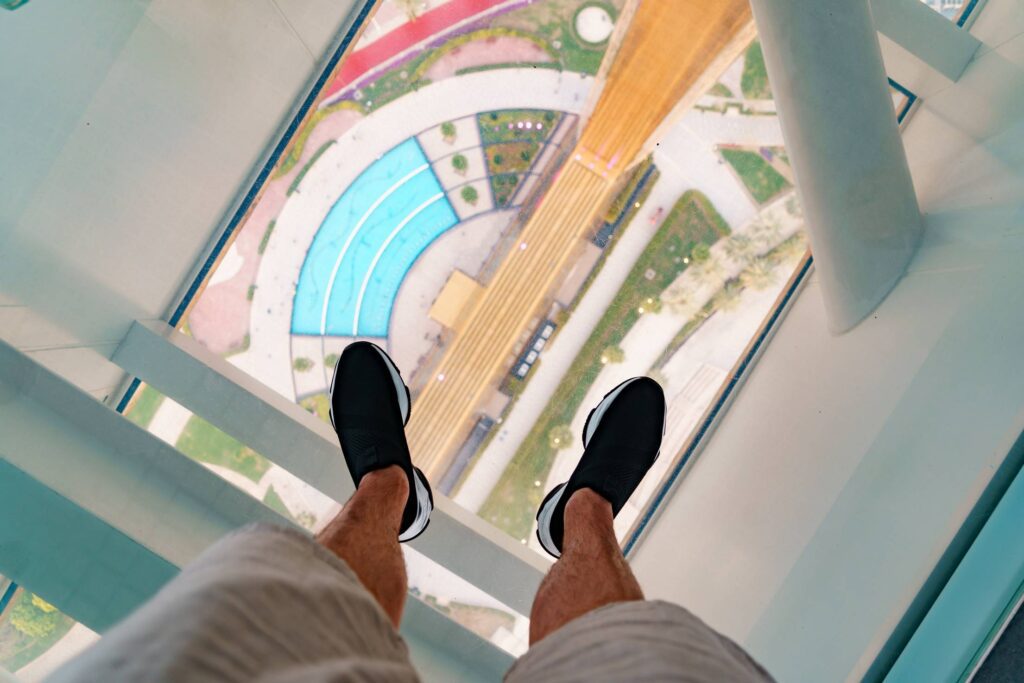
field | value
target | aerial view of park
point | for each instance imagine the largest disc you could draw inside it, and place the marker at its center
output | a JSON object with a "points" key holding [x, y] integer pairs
{"points": [[524, 203]]}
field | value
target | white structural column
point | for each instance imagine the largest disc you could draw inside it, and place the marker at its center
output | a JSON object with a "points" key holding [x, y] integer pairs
{"points": [[826, 72]]}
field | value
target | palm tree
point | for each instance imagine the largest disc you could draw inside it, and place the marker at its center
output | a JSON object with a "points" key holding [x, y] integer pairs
{"points": [[740, 249], [759, 275], [728, 297]]}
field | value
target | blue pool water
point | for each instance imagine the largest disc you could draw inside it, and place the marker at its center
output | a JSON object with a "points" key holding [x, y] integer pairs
{"points": [[368, 242]]}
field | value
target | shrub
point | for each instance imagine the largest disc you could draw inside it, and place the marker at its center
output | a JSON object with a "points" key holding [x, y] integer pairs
{"points": [[498, 160], [331, 359], [302, 365], [459, 163], [701, 253], [525, 155], [448, 131], [469, 194]]}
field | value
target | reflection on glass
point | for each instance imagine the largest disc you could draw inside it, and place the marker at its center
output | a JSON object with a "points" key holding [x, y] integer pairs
{"points": [[948, 8], [407, 189]]}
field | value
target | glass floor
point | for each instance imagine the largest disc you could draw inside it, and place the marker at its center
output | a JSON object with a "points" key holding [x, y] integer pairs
{"points": [[408, 208]]}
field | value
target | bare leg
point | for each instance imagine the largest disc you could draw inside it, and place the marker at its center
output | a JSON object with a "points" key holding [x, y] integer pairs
{"points": [[365, 535], [591, 572]]}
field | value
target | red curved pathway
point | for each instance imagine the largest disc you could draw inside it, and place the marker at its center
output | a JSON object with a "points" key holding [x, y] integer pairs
{"points": [[399, 40]]}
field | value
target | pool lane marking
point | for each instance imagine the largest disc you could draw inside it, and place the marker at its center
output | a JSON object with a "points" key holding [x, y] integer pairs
{"points": [[380, 253], [352, 236]]}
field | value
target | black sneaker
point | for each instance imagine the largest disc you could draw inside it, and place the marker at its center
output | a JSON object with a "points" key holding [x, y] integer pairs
{"points": [[622, 439], [369, 410]]}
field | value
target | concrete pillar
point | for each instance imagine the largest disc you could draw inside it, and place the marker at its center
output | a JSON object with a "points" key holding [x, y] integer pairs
{"points": [[826, 72]]}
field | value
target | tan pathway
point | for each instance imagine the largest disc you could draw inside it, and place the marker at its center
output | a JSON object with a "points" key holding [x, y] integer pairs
{"points": [[667, 50]]}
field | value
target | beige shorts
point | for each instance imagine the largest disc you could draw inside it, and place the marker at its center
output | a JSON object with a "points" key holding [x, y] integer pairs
{"points": [[269, 604]]}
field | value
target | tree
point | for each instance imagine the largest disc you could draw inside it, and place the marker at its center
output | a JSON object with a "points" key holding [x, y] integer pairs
{"points": [[613, 354], [302, 365], [331, 359], [560, 437], [460, 164], [759, 275], [740, 249], [34, 617], [469, 194], [727, 298], [498, 160], [525, 155], [448, 132]]}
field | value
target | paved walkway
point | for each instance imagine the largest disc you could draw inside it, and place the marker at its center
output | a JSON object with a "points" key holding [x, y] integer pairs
{"points": [[74, 641], [411, 34], [686, 161]]}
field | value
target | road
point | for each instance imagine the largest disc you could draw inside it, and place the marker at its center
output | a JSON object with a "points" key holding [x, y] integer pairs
{"points": [[653, 70]]}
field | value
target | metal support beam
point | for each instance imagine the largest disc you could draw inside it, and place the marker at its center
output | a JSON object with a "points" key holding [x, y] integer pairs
{"points": [[826, 72], [923, 50], [115, 512], [179, 367]]}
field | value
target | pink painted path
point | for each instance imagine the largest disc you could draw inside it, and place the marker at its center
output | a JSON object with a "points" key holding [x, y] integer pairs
{"points": [[395, 42]]}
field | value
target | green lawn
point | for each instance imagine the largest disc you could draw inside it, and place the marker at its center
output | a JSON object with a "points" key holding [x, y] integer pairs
{"points": [[309, 164], [495, 125], [319, 405], [763, 181], [754, 81], [273, 501], [47, 627], [203, 442], [144, 406], [552, 22], [513, 502]]}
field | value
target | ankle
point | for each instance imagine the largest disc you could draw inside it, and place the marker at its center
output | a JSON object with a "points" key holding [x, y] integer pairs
{"points": [[392, 477], [588, 504], [589, 524]]}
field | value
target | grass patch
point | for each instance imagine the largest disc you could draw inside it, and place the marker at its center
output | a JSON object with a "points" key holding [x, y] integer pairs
{"points": [[319, 405], [273, 501], [510, 157], [30, 628], [513, 501], [618, 205], [763, 181], [203, 442], [265, 240], [294, 154], [754, 82], [144, 407], [309, 164], [552, 23], [516, 125], [720, 90]]}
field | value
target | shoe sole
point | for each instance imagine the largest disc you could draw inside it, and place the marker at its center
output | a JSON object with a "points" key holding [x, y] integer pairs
{"points": [[550, 502], [424, 496]]}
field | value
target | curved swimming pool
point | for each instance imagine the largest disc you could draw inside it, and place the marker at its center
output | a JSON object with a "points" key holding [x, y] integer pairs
{"points": [[367, 243]]}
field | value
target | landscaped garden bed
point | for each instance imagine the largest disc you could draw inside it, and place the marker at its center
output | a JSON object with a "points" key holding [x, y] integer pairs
{"points": [[763, 181], [692, 221]]}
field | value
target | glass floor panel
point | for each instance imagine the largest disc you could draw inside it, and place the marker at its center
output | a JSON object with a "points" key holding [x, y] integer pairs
{"points": [[437, 160]]}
